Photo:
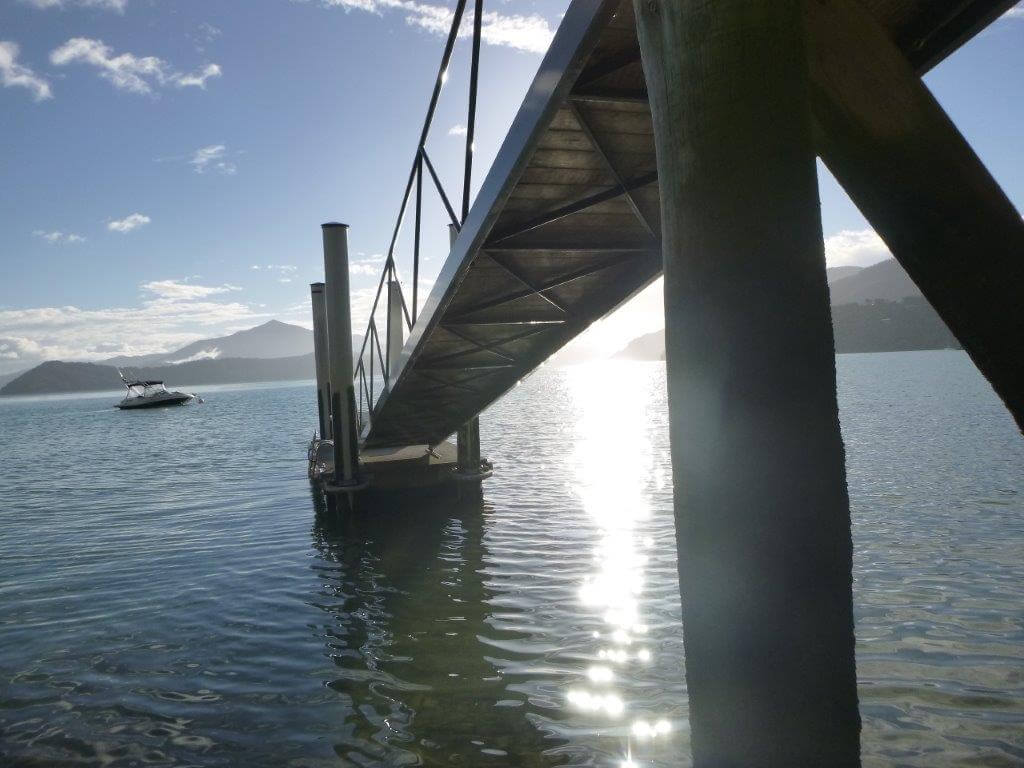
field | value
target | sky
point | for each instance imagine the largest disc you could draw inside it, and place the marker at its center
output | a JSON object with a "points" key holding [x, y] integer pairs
{"points": [[166, 165]]}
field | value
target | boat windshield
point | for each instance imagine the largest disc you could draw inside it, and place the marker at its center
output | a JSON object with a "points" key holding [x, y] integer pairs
{"points": [[145, 388]]}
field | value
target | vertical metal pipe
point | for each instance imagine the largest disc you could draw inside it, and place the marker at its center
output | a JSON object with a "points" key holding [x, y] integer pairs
{"points": [[762, 514], [416, 240], [320, 358], [474, 69], [389, 273], [396, 326], [339, 335], [467, 438]]}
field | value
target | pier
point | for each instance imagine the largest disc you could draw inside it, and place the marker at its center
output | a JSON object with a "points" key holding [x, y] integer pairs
{"points": [[679, 138]]}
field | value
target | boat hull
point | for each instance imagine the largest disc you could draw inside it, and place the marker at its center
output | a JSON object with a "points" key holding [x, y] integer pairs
{"points": [[178, 398]]}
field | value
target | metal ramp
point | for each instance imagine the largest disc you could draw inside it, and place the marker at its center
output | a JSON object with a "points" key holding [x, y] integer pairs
{"points": [[566, 225]]}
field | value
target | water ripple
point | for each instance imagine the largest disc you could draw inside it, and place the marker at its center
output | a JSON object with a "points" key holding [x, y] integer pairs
{"points": [[172, 594]]}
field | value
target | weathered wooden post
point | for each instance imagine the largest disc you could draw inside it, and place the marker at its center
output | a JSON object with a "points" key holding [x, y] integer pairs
{"points": [[323, 387], [395, 329], [467, 439], [761, 508], [339, 335]]}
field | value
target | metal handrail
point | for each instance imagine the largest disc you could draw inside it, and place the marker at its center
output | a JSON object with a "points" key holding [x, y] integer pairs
{"points": [[365, 382]]}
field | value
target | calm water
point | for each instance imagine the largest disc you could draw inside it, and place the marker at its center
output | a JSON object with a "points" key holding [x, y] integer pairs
{"points": [[169, 594]]}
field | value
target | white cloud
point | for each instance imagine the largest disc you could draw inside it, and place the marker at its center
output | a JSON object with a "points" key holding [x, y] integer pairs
{"points": [[126, 71], [368, 266], [284, 280], [212, 157], [208, 31], [183, 290], [172, 313], [523, 33], [283, 270], [15, 75], [203, 354], [106, 5], [861, 248], [457, 130], [128, 223], [205, 34], [198, 78], [59, 238], [368, 270]]}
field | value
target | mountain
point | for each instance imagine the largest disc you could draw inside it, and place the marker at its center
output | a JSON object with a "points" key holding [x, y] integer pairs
{"points": [[272, 339], [874, 309], [872, 326], [885, 280], [650, 346], [890, 326], [837, 273], [5, 377], [56, 377]]}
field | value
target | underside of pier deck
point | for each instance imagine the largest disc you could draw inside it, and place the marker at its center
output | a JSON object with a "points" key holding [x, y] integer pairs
{"points": [[567, 225]]}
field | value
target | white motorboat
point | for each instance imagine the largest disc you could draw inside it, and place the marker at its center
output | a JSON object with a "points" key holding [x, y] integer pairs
{"points": [[150, 394]]}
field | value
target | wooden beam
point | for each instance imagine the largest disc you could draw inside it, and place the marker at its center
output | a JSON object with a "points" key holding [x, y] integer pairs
{"points": [[941, 28], [579, 274], [761, 509], [575, 207], [902, 161], [608, 66], [609, 96]]}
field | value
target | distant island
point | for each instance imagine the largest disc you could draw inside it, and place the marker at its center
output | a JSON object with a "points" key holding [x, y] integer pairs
{"points": [[274, 351], [55, 376], [874, 309]]}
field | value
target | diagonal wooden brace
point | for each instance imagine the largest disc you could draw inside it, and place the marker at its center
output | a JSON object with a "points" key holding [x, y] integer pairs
{"points": [[903, 162]]}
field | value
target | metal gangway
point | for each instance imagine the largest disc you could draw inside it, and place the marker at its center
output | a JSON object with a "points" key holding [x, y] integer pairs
{"points": [[578, 213], [565, 228]]}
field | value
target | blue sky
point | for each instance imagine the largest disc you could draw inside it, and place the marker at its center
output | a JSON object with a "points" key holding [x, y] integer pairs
{"points": [[166, 165]]}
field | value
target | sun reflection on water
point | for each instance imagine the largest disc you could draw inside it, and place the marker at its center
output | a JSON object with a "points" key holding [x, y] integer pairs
{"points": [[611, 465]]}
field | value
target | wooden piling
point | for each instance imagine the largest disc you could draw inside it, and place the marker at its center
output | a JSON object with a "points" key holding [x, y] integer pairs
{"points": [[395, 328], [320, 359], [761, 507], [339, 334]]}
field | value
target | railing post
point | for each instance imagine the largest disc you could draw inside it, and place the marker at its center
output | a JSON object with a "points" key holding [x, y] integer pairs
{"points": [[474, 70], [339, 335], [396, 327], [416, 239], [320, 345]]}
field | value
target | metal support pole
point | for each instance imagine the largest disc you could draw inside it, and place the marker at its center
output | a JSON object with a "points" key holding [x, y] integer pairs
{"points": [[320, 346], [396, 328], [467, 438], [761, 508], [339, 335], [474, 71]]}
